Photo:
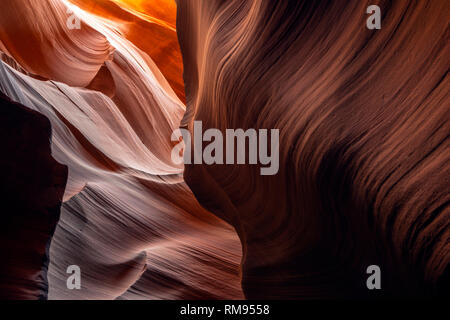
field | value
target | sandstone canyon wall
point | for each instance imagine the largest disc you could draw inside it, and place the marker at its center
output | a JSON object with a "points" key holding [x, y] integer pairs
{"points": [[32, 187], [364, 140]]}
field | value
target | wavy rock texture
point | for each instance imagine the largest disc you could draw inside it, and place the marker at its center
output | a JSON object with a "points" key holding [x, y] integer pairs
{"points": [[149, 25], [128, 219], [364, 140], [364, 149], [31, 194]]}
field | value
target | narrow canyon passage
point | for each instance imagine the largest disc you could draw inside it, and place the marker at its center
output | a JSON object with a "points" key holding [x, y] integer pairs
{"points": [[361, 116]]}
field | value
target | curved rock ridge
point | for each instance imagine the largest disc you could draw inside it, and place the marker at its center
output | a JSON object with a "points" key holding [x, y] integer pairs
{"points": [[364, 126], [146, 23], [128, 220], [70, 57]]}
